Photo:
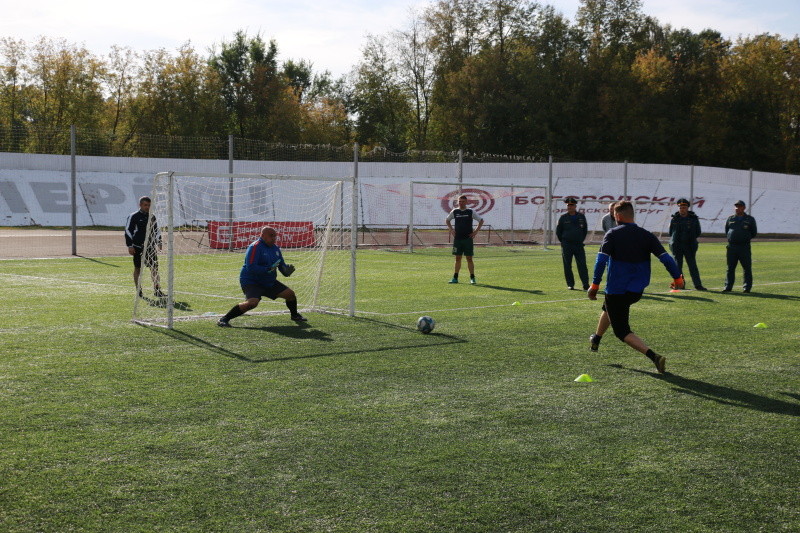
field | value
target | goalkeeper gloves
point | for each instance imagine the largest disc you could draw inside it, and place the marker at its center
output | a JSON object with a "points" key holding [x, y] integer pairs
{"points": [[678, 283], [287, 270]]}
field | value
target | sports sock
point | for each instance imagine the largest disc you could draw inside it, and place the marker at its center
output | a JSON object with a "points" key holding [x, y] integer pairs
{"points": [[455, 276], [234, 312], [292, 305], [651, 355]]}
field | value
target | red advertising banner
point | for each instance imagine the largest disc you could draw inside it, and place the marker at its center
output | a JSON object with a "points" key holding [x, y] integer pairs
{"points": [[290, 234]]}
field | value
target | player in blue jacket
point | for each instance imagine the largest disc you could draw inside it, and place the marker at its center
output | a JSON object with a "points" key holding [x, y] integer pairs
{"points": [[259, 278], [626, 250]]}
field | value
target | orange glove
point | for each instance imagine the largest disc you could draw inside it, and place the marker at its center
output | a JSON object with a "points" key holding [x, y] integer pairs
{"points": [[678, 283]]}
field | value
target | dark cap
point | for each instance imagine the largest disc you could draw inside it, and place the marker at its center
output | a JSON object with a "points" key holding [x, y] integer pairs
{"points": [[683, 201], [570, 200], [741, 203]]}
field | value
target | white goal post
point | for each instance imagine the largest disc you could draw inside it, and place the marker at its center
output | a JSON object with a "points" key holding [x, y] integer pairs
{"points": [[206, 221]]}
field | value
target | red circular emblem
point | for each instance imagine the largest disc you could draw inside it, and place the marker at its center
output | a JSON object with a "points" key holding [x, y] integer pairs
{"points": [[478, 200]]}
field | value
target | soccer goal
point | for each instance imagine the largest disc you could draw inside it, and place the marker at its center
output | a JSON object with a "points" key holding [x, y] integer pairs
{"points": [[413, 214], [206, 221]]}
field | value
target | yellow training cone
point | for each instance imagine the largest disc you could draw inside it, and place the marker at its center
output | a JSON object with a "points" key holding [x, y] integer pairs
{"points": [[584, 378], [516, 303], [760, 325]]}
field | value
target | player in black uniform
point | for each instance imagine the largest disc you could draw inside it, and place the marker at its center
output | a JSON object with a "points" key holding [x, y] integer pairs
{"points": [[463, 244], [135, 233]]}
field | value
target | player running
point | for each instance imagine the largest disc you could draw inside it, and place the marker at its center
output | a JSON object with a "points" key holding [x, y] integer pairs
{"points": [[626, 250]]}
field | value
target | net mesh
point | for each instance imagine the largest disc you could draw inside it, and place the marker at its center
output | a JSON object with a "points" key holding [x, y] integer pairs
{"points": [[413, 213], [207, 221]]}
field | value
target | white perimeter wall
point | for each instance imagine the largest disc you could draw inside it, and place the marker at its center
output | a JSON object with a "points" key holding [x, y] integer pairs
{"points": [[35, 189]]}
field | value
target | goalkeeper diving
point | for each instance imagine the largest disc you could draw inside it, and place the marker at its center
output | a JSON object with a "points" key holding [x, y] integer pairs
{"points": [[259, 277]]}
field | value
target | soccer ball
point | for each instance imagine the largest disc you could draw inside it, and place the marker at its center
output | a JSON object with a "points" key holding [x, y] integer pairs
{"points": [[425, 324]]}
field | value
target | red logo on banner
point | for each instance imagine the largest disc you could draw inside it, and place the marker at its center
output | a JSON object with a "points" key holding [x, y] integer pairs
{"points": [[478, 200], [290, 234]]}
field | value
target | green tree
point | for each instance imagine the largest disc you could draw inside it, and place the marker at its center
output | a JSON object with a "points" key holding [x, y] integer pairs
{"points": [[258, 98], [379, 101]]}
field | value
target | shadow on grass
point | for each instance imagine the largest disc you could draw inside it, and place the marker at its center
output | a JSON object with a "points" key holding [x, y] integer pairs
{"points": [[768, 296], [305, 331], [724, 395], [162, 303], [98, 262], [675, 297], [511, 289]]}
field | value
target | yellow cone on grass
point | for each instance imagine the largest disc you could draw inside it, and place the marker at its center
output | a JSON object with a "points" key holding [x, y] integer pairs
{"points": [[584, 378], [516, 303], [760, 325]]}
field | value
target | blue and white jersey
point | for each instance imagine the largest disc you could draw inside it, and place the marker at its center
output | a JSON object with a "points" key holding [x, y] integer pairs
{"points": [[626, 249], [261, 264]]}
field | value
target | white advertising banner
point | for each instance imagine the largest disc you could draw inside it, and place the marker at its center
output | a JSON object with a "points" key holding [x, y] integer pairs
{"points": [[36, 190]]}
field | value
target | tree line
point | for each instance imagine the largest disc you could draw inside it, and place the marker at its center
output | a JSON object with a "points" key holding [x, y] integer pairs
{"points": [[487, 76]]}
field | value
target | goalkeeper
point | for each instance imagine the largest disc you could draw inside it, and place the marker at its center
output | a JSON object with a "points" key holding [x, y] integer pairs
{"points": [[626, 249], [259, 278]]}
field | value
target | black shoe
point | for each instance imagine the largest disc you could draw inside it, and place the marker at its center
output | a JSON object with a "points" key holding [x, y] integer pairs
{"points": [[585, 287], [746, 290], [594, 341], [140, 294], [700, 288], [223, 323], [570, 288], [158, 294], [726, 290], [299, 318]]}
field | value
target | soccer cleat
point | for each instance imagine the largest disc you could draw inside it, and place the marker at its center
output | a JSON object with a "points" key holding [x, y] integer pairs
{"points": [[472, 280], [594, 342], [223, 323], [660, 362], [454, 280], [726, 289], [299, 318], [585, 287], [158, 294], [570, 288], [746, 290], [700, 288], [140, 294]]}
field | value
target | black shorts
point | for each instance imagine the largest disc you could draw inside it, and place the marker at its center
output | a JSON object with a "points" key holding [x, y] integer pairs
{"points": [[150, 259], [618, 307], [259, 291], [463, 247]]}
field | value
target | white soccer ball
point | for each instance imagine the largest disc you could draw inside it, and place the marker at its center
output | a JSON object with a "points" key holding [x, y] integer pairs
{"points": [[425, 324]]}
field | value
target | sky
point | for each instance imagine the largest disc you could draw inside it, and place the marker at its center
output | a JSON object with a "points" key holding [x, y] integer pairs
{"points": [[330, 35]]}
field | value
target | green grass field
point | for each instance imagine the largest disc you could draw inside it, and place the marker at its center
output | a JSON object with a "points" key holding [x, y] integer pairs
{"points": [[365, 424]]}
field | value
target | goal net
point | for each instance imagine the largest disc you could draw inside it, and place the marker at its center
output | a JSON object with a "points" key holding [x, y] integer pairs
{"points": [[413, 213], [650, 215], [205, 223]]}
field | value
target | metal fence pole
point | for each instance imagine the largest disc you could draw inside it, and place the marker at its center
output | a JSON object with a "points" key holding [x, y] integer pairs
{"points": [[74, 188]]}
